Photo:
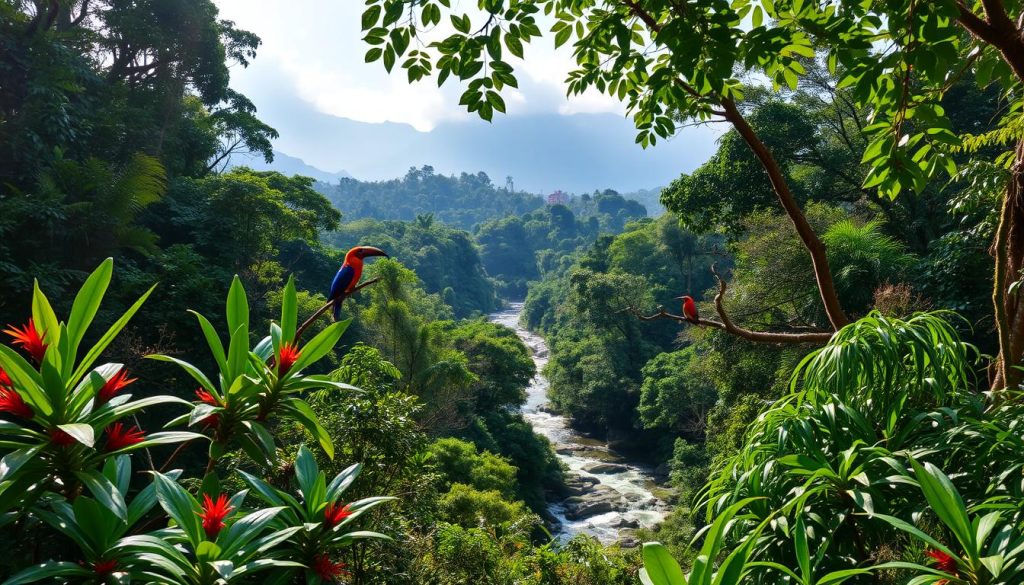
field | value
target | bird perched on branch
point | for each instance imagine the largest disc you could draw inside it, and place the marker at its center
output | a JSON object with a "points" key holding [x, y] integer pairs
{"points": [[348, 275], [689, 309]]}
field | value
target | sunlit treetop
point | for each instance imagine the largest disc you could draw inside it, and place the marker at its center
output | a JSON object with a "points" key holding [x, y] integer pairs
{"points": [[672, 60]]}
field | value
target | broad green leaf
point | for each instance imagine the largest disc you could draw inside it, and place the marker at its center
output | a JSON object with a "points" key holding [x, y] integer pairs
{"points": [[87, 303], [82, 433], [661, 568], [289, 310], [237, 306], [105, 492], [212, 340], [94, 352], [305, 416], [320, 345], [48, 570], [180, 506]]}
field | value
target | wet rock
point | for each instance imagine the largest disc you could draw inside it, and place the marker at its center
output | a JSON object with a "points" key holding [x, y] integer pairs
{"points": [[605, 468], [621, 522], [548, 408], [588, 509], [662, 471], [578, 485]]}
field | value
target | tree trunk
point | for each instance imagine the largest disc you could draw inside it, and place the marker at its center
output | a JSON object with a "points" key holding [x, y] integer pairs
{"points": [[1008, 250]]}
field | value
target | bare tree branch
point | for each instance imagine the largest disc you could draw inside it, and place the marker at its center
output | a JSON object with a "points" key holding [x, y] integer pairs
{"points": [[726, 324]]}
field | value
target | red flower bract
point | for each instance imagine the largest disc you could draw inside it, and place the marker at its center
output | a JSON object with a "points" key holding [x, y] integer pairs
{"points": [[114, 385], [213, 514], [206, 398], [942, 561], [5, 380], [289, 355], [327, 569], [119, 437], [61, 438], [335, 513], [104, 567], [29, 339], [12, 402]]}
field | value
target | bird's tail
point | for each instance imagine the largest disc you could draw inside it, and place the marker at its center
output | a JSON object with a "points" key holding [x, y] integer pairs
{"points": [[337, 308]]}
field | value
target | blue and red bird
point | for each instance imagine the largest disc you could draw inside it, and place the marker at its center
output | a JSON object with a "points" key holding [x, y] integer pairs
{"points": [[348, 275]]}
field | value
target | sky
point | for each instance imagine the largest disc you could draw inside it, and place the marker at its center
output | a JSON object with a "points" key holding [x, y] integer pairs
{"points": [[309, 80]]}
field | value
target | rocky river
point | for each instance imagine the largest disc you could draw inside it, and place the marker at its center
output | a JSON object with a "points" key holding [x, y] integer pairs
{"points": [[606, 495]]}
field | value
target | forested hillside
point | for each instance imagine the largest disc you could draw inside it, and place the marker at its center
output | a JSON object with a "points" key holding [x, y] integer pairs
{"points": [[462, 201]]}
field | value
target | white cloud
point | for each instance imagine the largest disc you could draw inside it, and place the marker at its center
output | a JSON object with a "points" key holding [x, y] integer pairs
{"points": [[316, 45]]}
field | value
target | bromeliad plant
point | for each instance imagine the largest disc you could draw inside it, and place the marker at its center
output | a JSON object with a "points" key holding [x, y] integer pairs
{"points": [[254, 386], [319, 512], [64, 417], [830, 479], [67, 432]]}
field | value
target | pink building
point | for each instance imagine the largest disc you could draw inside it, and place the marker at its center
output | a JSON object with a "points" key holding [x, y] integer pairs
{"points": [[558, 198]]}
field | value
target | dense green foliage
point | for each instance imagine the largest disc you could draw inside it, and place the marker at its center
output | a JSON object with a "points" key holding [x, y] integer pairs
{"points": [[519, 250], [463, 201]]}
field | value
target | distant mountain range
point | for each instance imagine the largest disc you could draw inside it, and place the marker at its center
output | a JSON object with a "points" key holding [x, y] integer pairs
{"points": [[288, 165]]}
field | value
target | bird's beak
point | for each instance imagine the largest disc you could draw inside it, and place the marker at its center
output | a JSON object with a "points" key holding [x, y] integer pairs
{"points": [[371, 251], [680, 298]]}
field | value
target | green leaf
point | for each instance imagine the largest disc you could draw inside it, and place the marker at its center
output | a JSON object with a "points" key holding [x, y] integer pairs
{"points": [[48, 570], [320, 345], [180, 506], [193, 371], [461, 24], [370, 16], [238, 352], [946, 502], [289, 310], [237, 306], [87, 302], [306, 472], [305, 416], [94, 353], [105, 492], [82, 433], [661, 568], [212, 340]]}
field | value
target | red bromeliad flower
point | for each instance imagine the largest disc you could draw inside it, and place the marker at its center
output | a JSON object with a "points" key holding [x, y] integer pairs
{"points": [[115, 384], [213, 514], [5, 380], [207, 398], [12, 402], [289, 355], [335, 513], [119, 437], [943, 562], [327, 569], [104, 567], [29, 339], [61, 438]]}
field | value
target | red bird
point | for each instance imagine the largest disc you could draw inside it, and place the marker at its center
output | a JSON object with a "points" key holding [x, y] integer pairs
{"points": [[348, 275], [689, 309]]}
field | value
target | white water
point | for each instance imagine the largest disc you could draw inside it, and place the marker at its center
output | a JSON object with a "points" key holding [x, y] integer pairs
{"points": [[632, 498]]}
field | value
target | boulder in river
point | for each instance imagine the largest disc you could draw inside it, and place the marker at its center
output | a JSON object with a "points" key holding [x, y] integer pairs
{"points": [[577, 485], [588, 508], [600, 467]]}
